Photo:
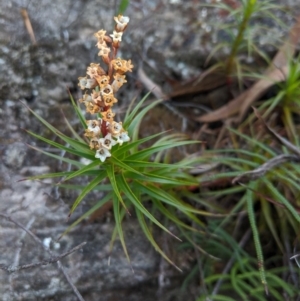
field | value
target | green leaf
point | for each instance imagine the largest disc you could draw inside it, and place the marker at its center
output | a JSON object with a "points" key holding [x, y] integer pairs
{"points": [[123, 5], [76, 144], [87, 154], [111, 175], [166, 197], [138, 205], [171, 216], [48, 176], [102, 187], [78, 112], [123, 165], [280, 283], [157, 165], [130, 115], [82, 171], [155, 178], [256, 238], [268, 216], [254, 142], [42, 120], [134, 126], [146, 153], [59, 158], [87, 189], [149, 236], [132, 145], [98, 205], [75, 134], [118, 220], [282, 199]]}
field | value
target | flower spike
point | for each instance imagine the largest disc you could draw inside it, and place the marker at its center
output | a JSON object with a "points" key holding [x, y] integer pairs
{"points": [[104, 133]]}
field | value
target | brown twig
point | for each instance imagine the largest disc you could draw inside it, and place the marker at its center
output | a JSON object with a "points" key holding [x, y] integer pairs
{"points": [[16, 268], [268, 198], [262, 169], [28, 26], [282, 140], [38, 241], [150, 85]]}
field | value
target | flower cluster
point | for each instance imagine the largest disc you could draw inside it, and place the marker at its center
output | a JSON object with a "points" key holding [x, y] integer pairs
{"points": [[103, 132]]}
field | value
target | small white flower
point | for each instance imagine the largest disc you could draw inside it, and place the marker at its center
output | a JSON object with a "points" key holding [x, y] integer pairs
{"points": [[116, 128], [82, 82], [90, 83], [119, 80], [107, 141], [93, 126], [102, 153], [122, 137], [122, 22], [106, 90], [116, 36], [86, 97]]}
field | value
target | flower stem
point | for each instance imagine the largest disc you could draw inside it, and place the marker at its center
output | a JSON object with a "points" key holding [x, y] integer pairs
{"points": [[248, 11]]}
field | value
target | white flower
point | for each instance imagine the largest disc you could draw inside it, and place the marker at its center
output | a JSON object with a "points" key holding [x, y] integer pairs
{"points": [[102, 153], [90, 83], [86, 83], [82, 82], [116, 36], [122, 22], [93, 126], [122, 137], [119, 80], [107, 90], [107, 141], [116, 128], [87, 97]]}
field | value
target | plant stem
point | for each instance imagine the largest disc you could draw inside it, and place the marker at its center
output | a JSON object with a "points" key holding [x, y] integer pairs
{"points": [[255, 232], [248, 10], [289, 125]]}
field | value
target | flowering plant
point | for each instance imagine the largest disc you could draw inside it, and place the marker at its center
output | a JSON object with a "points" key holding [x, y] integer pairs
{"points": [[129, 174], [104, 132]]}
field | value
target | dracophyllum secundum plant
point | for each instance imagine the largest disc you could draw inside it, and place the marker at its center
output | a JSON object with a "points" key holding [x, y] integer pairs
{"points": [[132, 176]]}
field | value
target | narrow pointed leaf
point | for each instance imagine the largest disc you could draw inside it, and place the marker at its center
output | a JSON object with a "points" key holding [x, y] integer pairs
{"points": [[138, 205], [75, 144], [98, 205], [124, 166], [133, 128], [75, 134], [146, 153], [42, 120], [78, 112], [60, 158], [87, 189], [172, 216], [155, 178], [167, 198], [48, 176], [88, 154], [83, 170], [129, 116], [118, 220], [155, 165], [133, 144], [148, 234], [114, 184]]}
